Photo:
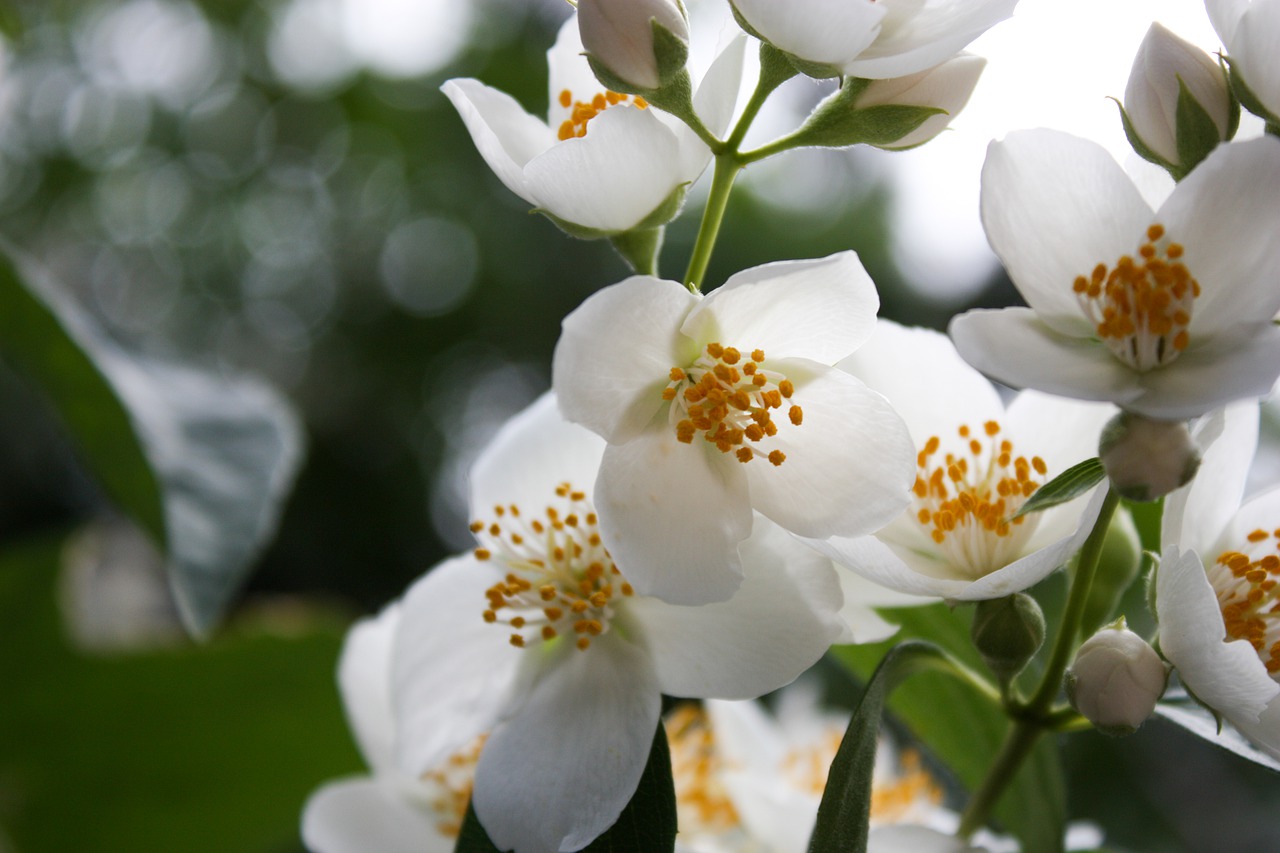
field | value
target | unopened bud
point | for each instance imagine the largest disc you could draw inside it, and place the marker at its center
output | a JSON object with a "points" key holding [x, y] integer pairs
{"points": [[1147, 459], [946, 87], [1007, 632], [1177, 104], [639, 44], [1116, 680]]}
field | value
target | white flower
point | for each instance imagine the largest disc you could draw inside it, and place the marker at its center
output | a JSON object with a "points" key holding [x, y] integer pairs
{"points": [[602, 161], [538, 639], [619, 34], [747, 780], [1167, 313], [1164, 62], [388, 811], [716, 405], [946, 86], [1116, 679], [1250, 29], [1217, 591], [977, 464], [872, 38]]}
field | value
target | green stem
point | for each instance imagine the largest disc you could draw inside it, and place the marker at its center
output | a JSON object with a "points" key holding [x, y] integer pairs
{"points": [[1018, 741], [1037, 716], [726, 170]]}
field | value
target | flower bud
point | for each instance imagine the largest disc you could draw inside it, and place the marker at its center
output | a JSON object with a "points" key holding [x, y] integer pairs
{"points": [[1116, 680], [1177, 104], [641, 44], [946, 87], [1147, 459], [1007, 632]]}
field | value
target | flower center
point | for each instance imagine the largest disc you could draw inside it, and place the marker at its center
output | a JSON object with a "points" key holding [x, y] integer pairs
{"points": [[1248, 596], [560, 580], [730, 399], [702, 803], [1141, 308], [581, 112], [910, 793], [964, 502], [450, 788]]}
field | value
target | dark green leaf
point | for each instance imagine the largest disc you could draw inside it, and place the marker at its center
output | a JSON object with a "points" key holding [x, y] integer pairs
{"points": [[1197, 133], [1067, 486], [41, 334], [845, 811], [646, 825], [963, 728]]}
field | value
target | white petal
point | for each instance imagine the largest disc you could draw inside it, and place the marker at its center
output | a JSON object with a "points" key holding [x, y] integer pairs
{"points": [[452, 673], [533, 453], [1260, 512], [862, 623], [612, 178], [1225, 15], [819, 309], [1054, 206], [905, 838], [505, 135], [779, 816], [823, 31], [568, 70], [782, 619], [672, 516], [925, 380], [560, 771], [849, 466], [1238, 365], [1196, 515], [928, 38], [615, 354], [1228, 677], [1266, 731], [714, 103], [368, 815], [1223, 215], [1254, 51], [364, 679], [1013, 346], [884, 565]]}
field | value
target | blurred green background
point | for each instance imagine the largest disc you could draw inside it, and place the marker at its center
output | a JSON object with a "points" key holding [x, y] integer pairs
{"points": [[277, 187]]}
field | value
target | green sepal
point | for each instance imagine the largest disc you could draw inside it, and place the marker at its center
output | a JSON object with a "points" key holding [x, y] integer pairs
{"points": [[1197, 134], [1245, 95], [1233, 102], [1007, 632], [668, 210], [1118, 567], [845, 811], [1067, 486], [646, 825], [816, 70], [1141, 148], [639, 247], [838, 122]]}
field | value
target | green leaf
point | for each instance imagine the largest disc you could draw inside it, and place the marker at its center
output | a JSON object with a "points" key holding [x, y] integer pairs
{"points": [[202, 461], [845, 811], [1197, 134], [1067, 486], [46, 338], [968, 734], [646, 825]]}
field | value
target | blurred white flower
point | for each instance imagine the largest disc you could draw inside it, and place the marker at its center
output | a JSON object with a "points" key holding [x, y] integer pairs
{"points": [[538, 639], [1166, 314], [977, 464], [714, 406]]}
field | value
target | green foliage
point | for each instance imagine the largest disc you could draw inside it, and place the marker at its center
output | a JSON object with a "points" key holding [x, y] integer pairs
{"points": [[646, 825], [1117, 569], [57, 355], [1067, 486], [845, 810], [963, 727], [202, 749]]}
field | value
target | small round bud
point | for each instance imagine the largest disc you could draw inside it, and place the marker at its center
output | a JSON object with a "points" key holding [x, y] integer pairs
{"points": [[1147, 459], [1167, 70], [1116, 680], [946, 87], [640, 43], [1007, 632]]}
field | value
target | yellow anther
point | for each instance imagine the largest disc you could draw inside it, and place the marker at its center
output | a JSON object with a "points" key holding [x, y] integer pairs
{"points": [[777, 457], [482, 553]]}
